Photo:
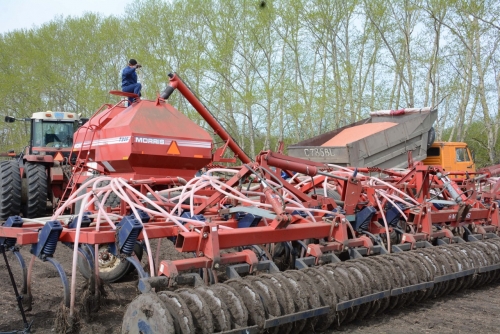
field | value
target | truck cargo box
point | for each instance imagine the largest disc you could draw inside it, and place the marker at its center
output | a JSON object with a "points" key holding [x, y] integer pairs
{"points": [[382, 140]]}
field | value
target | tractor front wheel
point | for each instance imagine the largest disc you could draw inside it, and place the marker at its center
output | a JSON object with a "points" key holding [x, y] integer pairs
{"points": [[10, 189], [35, 189]]}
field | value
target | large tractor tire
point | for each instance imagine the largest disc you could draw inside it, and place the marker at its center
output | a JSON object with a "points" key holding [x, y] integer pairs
{"points": [[10, 189], [111, 268], [36, 190]]}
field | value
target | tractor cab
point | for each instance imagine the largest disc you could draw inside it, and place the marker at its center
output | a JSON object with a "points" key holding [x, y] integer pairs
{"points": [[51, 132]]}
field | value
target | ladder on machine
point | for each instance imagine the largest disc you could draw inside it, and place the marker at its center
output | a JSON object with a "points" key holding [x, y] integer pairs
{"points": [[79, 165]]}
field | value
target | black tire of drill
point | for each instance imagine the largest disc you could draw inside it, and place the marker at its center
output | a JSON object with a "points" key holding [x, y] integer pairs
{"points": [[333, 194], [112, 201], [118, 273], [10, 189], [36, 183]]}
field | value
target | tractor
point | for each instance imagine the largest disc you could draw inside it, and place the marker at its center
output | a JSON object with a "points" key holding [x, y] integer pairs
{"points": [[39, 174]]}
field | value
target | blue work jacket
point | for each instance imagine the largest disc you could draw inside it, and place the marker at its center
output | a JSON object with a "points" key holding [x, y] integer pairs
{"points": [[129, 76]]}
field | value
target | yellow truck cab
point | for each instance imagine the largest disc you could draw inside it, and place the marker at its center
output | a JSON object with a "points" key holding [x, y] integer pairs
{"points": [[452, 156]]}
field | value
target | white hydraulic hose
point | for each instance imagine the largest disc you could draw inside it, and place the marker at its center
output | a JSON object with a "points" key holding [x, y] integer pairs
{"points": [[293, 177], [394, 188], [75, 197], [85, 203], [181, 196], [385, 224], [35, 220], [393, 204], [75, 255], [119, 183], [156, 206], [398, 199], [341, 167], [97, 228], [247, 200], [256, 203]]}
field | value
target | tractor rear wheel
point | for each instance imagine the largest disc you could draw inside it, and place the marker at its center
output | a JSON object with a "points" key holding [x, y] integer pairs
{"points": [[10, 189], [36, 190]]}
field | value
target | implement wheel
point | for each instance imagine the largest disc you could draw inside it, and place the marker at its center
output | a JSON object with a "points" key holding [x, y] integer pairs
{"points": [[35, 190], [112, 201], [10, 189], [111, 268]]}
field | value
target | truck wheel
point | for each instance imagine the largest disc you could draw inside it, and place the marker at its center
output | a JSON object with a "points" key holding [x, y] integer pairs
{"points": [[36, 190], [10, 189], [111, 268]]}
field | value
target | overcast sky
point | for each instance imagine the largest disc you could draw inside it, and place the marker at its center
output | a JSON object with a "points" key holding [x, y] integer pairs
{"points": [[19, 14]]}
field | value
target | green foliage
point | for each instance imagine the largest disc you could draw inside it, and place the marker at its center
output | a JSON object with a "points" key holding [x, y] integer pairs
{"points": [[477, 141]]}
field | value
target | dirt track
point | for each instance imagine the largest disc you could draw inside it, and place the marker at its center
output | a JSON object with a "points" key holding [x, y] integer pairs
{"points": [[464, 312]]}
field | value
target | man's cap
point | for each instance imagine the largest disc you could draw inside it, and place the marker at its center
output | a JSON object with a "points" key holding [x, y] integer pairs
{"points": [[132, 62]]}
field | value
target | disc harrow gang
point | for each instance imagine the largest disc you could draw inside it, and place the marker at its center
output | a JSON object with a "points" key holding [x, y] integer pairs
{"points": [[319, 298]]}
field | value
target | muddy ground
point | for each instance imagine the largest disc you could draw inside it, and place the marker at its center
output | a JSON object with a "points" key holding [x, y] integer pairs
{"points": [[463, 312]]}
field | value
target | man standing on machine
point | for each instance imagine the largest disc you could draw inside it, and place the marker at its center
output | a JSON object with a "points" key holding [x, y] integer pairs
{"points": [[129, 79]]}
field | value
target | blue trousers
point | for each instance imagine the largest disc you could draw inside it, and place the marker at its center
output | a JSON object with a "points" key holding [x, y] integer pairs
{"points": [[133, 88]]}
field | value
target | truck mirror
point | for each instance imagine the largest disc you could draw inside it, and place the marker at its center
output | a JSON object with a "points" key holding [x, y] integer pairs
{"points": [[9, 119]]}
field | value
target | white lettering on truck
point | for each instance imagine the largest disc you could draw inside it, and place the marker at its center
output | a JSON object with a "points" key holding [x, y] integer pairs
{"points": [[319, 152]]}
